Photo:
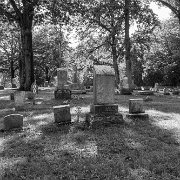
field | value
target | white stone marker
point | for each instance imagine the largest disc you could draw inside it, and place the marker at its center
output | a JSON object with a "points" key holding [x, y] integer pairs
{"points": [[103, 85]]}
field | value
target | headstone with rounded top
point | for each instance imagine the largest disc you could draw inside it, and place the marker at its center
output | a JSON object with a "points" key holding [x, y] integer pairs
{"points": [[156, 87], [12, 121]]}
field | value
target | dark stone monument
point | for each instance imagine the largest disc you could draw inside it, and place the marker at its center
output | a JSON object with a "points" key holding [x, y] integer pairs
{"points": [[103, 111], [13, 121], [62, 90], [62, 114], [136, 110]]}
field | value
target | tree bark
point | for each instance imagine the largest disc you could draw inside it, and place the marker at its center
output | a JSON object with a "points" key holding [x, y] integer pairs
{"points": [[115, 64], [127, 45], [47, 74], [12, 71], [26, 66]]}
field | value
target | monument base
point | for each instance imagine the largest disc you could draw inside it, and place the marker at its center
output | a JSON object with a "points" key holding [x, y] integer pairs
{"points": [[107, 109], [62, 94], [138, 116], [20, 108], [145, 92], [94, 121], [78, 91]]}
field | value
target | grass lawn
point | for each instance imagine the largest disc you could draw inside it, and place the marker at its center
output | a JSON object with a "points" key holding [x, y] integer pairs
{"points": [[137, 150]]}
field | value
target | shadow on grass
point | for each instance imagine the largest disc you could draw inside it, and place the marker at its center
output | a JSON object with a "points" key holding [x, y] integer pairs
{"points": [[139, 149], [44, 150]]}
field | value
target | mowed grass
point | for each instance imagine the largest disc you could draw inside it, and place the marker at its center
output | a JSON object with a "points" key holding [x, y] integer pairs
{"points": [[137, 149]]}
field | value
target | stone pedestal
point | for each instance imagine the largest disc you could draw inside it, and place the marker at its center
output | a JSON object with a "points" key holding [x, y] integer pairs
{"points": [[62, 94], [138, 116], [62, 114], [104, 109], [94, 121], [136, 110], [13, 121]]}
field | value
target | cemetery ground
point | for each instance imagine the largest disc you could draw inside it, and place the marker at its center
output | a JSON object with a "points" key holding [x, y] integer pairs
{"points": [[137, 149]]}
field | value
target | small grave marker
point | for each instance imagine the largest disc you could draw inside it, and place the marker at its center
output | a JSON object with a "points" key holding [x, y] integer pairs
{"points": [[13, 121], [62, 114], [136, 109]]}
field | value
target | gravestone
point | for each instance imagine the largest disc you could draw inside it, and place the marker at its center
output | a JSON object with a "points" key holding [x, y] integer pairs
{"points": [[124, 87], [156, 87], [136, 109], [61, 77], [13, 121], [46, 84], [62, 114], [19, 100], [62, 90], [103, 111], [125, 83]]}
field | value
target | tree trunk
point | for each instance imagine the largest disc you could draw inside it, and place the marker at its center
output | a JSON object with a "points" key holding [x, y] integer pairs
{"points": [[127, 45], [12, 71], [47, 74], [26, 62], [115, 64]]}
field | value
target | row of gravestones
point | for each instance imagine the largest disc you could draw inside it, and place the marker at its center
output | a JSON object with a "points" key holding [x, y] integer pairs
{"points": [[12, 121], [103, 110], [64, 89]]}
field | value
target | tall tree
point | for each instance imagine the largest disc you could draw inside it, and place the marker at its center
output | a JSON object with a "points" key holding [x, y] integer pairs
{"points": [[9, 48], [173, 5], [127, 43], [22, 12]]}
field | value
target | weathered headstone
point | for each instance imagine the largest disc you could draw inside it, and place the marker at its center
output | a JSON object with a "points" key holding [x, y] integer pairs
{"points": [[46, 84], [156, 87], [62, 90], [1, 87], [19, 99], [103, 110], [13, 121], [136, 106], [166, 91], [136, 109], [61, 77], [103, 84], [125, 83], [62, 114]]}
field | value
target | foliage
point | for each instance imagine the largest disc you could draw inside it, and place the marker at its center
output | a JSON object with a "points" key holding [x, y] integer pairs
{"points": [[102, 28], [9, 49], [162, 62], [50, 50]]}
